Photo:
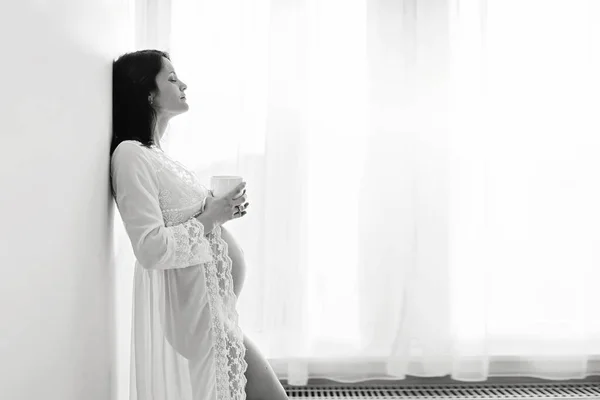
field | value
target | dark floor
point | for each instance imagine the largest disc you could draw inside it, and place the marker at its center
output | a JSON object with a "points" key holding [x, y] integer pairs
{"points": [[446, 380]]}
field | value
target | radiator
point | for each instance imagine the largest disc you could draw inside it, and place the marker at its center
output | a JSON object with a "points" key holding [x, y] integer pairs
{"points": [[450, 391]]}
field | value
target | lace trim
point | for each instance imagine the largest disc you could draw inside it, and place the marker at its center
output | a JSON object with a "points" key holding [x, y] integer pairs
{"points": [[178, 169], [229, 338], [189, 202], [192, 248]]}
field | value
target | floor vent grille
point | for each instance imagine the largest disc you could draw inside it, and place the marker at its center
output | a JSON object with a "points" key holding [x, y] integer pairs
{"points": [[483, 392]]}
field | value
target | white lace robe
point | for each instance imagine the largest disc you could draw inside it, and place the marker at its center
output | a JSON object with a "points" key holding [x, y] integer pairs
{"points": [[186, 342]]}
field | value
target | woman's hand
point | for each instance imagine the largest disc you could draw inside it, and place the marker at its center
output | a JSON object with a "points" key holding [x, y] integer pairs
{"points": [[223, 209]]}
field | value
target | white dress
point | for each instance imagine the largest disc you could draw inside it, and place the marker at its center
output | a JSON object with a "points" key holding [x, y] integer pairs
{"points": [[186, 342]]}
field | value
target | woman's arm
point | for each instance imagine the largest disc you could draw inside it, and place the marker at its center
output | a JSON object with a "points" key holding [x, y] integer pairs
{"points": [[136, 193]]}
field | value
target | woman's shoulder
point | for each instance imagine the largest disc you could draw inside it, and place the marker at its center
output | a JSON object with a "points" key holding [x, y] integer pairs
{"points": [[132, 143], [133, 151], [132, 147]]}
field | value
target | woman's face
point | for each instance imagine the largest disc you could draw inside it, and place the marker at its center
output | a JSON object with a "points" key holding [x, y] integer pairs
{"points": [[169, 100]]}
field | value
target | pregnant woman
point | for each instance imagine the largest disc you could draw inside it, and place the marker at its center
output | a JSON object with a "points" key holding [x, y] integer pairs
{"points": [[186, 341]]}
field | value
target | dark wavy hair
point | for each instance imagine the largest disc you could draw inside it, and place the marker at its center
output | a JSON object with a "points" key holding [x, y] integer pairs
{"points": [[134, 77]]}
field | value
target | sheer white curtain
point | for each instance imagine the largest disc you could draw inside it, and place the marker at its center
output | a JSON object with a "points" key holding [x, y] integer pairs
{"points": [[423, 178], [523, 187]]}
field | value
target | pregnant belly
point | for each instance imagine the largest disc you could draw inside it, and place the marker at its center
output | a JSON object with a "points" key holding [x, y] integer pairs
{"points": [[238, 265]]}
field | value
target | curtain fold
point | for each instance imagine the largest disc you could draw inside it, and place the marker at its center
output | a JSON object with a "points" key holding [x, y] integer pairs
{"points": [[422, 178]]}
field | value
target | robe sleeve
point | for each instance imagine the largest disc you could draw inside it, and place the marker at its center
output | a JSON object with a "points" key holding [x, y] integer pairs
{"points": [[155, 245]]}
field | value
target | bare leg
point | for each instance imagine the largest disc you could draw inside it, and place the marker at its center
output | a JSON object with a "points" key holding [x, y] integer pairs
{"points": [[262, 381]]}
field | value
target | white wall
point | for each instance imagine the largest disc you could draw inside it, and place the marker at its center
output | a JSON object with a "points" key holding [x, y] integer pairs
{"points": [[57, 325]]}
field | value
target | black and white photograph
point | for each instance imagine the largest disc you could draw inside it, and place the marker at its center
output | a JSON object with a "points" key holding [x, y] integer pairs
{"points": [[300, 199]]}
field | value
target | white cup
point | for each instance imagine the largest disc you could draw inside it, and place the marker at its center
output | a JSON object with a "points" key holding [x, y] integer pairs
{"points": [[223, 184]]}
